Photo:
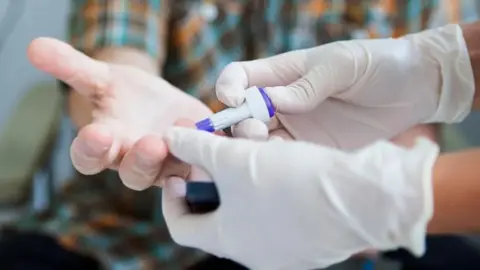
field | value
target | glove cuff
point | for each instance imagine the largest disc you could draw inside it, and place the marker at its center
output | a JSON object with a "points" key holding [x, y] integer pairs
{"points": [[418, 209], [400, 199], [446, 46]]}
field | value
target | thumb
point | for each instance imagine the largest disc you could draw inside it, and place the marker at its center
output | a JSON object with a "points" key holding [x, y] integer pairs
{"points": [[281, 69], [251, 129], [195, 147], [62, 61], [306, 93], [330, 70]]}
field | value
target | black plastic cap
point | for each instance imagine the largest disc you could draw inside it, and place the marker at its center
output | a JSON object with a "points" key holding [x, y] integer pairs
{"points": [[202, 197]]}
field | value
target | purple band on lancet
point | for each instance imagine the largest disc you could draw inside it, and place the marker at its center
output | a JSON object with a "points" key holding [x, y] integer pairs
{"points": [[268, 102], [205, 125]]}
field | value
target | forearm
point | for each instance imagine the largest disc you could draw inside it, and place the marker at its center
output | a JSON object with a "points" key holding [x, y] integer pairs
{"points": [[471, 34], [456, 189], [79, 107]]}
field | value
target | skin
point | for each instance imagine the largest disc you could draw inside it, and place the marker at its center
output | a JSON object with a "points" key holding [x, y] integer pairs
{"points": [[109, 136]]}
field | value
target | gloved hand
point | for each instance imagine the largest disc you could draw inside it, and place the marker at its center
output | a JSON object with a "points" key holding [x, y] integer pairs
{"points": [[372, 88], [131, 111], [296, 205]]}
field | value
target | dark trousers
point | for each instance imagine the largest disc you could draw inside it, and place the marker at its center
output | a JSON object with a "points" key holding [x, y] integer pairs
{"points": [[443, 253]]}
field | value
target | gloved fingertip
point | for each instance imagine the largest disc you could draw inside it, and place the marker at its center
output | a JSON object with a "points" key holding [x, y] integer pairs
{"points": [[251, 129], [287, 100], [256, 136], [230, 95], [179, 134], [231, 84], [276, 138], [276, 95], [172, 134], [175, 187], [141, 165]]}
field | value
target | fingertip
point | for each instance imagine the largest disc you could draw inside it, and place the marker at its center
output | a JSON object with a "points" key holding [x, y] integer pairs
{"points": [[277, 96], [176, 187], [62, 61], [33, 51], [43, 52], [151, 146], [276, 138], [90, 149], [85, 164], [142, 163], [97, 133], [174, 133], [281, 133], [183, 122], [170, 135], [174, 206], [251, 129], [231, 85], [230, 95]]}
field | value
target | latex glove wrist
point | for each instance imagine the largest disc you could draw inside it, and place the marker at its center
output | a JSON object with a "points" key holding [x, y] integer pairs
{"points": [[445, 47], [294, 205]]}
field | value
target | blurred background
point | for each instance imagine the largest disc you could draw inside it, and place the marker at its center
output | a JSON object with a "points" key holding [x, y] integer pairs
{"points": [[31, 118], [35, 133]]}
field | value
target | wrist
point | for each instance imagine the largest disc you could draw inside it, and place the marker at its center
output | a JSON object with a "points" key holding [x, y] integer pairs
{"points": [[128, 56], [456, 192], [445, 49]]}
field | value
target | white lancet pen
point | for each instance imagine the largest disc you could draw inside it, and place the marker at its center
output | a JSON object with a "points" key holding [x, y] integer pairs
{"points": [[257, 105]]}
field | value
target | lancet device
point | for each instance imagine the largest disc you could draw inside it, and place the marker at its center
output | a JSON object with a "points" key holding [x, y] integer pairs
{"points": [[257, 105]]}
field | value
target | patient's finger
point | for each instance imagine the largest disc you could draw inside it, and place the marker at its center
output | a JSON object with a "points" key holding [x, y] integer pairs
{"points": [[255, 129], [86, 75], [94, 149], [141, 165]]}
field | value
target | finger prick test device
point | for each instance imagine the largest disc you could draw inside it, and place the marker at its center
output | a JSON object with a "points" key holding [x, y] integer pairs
{"points": [[257, 105], [203, 197]]}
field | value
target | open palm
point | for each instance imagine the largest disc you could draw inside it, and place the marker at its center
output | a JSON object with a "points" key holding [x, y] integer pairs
{"points": [[130, 111]]}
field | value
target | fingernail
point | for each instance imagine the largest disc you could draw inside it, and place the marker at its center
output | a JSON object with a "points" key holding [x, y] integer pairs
{"points": [[93, 149]]}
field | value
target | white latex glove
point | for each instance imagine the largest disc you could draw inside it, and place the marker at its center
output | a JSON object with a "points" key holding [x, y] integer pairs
{"points": [[296, 205], [372, 88], [131, 110]]}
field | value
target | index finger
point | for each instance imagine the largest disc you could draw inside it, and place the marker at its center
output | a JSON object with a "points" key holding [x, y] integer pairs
{"points": [[278, 70], [174, 167], [62, 61]]}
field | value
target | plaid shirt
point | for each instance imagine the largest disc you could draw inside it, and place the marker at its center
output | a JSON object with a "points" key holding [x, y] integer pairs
{"points": [[193, 40]]}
